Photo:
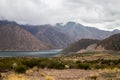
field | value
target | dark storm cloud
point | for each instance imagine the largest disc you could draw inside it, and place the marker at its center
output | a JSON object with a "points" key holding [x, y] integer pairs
{"points": [[103, 14]]}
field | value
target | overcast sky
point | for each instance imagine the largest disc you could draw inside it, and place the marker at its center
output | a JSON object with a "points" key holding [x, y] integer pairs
{"points": [[104, 14]]}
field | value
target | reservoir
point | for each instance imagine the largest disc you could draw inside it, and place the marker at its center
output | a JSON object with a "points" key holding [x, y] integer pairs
{"points": [[48, 53]]}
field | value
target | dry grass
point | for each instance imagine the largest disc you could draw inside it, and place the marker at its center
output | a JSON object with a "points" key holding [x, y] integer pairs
{"points": [[68, 74], [91, 56], [14, 76], [49, 78]]}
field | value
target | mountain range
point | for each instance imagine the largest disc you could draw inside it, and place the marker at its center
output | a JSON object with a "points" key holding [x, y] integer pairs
{"points": [[20, 37], [60, 36], [50, 35], [79, 31]]}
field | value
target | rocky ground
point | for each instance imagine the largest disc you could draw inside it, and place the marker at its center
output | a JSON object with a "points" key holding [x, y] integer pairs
{"points": [[67, 74]]}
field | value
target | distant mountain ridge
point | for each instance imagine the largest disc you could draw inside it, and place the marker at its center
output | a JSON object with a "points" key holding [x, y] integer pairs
{"points": [[79, 31], [62, 35]]}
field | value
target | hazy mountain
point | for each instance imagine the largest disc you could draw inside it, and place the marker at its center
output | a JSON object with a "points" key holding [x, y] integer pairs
{"points": [[50, 35], [79, 31], [14, 38], [4, 22], [116, 31]]}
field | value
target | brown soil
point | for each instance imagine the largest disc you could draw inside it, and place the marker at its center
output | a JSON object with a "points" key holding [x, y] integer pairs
{"points": [[67, 74]]}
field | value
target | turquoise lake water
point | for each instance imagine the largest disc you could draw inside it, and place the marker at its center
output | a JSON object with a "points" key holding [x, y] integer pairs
{"points": [[49, 53]]}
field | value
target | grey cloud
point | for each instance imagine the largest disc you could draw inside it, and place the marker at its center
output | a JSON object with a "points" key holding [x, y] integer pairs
{"points": [[95, 12]]}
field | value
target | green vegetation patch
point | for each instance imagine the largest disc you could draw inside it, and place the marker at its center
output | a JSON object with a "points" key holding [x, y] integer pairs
{"points": [[20, 65]]}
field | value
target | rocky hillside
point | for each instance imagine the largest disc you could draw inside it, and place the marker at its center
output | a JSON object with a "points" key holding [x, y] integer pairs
{"points": [[14, 38], [88, 45], [81, 44], [111, 43]]}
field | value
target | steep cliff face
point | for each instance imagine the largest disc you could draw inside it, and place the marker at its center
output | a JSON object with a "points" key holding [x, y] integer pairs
{"points": [[14, 38]]}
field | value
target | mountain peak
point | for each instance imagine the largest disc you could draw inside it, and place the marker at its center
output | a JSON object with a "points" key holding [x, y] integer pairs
{"points": [[70, 23], [116, 31], [59, 24], [4, 22]]}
